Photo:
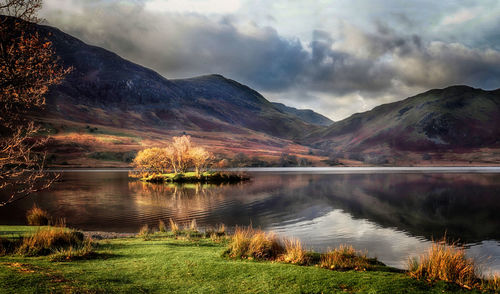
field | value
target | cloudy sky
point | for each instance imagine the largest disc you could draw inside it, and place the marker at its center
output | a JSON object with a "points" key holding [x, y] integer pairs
{"points": [[336, 57]]}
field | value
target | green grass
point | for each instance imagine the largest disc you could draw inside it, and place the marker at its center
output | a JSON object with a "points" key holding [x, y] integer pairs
{"points": [[191, 177], [167, 265]]}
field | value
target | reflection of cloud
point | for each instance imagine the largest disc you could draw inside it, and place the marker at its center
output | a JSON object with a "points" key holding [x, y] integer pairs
{"points": [[388, 245]]}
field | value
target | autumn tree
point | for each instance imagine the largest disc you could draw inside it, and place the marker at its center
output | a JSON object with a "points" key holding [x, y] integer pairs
{"points": [[200, 159], [28, 68], [152, 160], [181, 147], [179, 156]]}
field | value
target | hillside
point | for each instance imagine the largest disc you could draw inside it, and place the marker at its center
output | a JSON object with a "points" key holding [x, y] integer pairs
{"points": [[457, 119], [306, 115], [109, 90], [107, 108]]}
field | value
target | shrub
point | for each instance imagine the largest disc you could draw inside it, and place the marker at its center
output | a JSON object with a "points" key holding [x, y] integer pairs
{"points": [[447, 263], [37, 216], [295, 253], [251, 243], [161, 226], [345, 258], [47, 241]]}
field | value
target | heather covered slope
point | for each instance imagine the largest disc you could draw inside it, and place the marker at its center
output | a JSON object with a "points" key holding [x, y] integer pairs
{"points": [[455, 119]]}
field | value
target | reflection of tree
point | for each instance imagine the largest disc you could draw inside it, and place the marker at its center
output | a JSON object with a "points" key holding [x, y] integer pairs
{"points": [[182, 200]]}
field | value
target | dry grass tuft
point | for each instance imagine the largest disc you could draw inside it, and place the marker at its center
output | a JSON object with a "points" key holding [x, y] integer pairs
{"points": [[84, 251], [447, 263], [492, 283], [145, 231], [345, 258], [161, 226], [47, 241], [221, 230], [37, 216], [193, 227], [295, 253], [174, 227], [255, 244], [8, 246]]}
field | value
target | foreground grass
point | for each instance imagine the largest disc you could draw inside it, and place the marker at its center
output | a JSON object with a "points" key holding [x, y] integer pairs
{"points": [[163, 264]]}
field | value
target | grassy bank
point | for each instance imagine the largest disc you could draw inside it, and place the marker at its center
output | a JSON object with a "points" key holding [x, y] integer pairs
{"points": [[192, 177], [164, 263]]}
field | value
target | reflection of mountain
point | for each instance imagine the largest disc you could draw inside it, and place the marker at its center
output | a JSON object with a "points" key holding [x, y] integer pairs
{"points": [[463, 205], [429, 205]]}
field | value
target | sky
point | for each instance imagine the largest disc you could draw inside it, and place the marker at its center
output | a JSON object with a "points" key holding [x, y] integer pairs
{"points": [[336, 57]]}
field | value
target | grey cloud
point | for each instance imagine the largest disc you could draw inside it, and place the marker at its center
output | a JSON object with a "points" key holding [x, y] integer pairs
{"points": [[382, 65]]}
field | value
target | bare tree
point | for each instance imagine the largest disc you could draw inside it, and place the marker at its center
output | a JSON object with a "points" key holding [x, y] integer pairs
{"points": [[28, 68]]}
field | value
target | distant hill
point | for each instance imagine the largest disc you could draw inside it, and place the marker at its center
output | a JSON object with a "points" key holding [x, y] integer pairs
{"points": [[457, 119], [306, 115]]}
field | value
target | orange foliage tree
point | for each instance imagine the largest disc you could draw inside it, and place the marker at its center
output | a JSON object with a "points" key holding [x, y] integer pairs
{"points": [[179, 156], [28, 68]]}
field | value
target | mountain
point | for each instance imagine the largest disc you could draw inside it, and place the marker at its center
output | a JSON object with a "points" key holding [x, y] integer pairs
{"points": [[108, 108], [109, 90], [306, 115], [454, 119]]}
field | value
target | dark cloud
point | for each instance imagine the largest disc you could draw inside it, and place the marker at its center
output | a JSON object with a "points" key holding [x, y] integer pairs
{"points": [[375, 65]]}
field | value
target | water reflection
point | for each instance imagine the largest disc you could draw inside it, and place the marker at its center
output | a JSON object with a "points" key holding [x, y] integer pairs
{"points": [[389, 215]]}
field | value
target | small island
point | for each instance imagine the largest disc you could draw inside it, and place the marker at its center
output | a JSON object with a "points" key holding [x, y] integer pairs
{"points": [[180, 162]]}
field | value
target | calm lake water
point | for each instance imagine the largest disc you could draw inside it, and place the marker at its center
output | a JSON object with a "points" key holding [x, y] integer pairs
{"points": [[392, 213]]}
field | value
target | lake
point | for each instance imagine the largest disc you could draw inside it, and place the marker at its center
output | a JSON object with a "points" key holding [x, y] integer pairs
{"points": [[392, 213]]}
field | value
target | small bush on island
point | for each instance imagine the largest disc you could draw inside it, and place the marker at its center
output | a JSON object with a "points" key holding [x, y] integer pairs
{"points": [[37, 216]]}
